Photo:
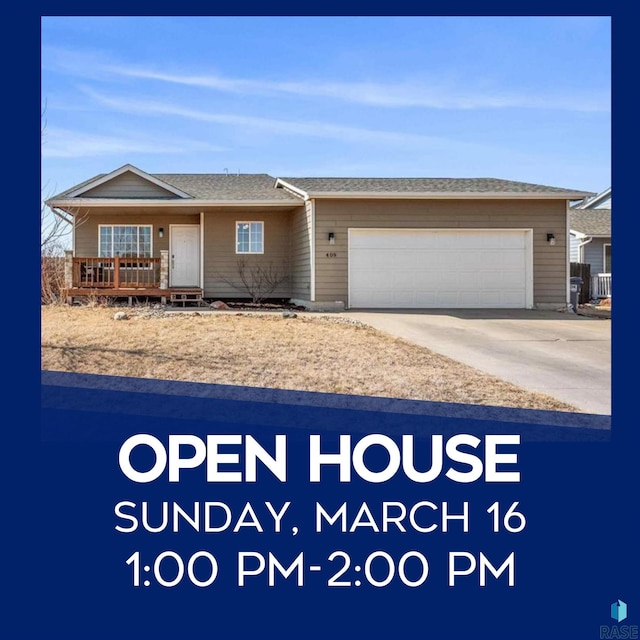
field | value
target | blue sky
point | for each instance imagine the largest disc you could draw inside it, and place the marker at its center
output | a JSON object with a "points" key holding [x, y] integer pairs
{"points": [[515, 98]]}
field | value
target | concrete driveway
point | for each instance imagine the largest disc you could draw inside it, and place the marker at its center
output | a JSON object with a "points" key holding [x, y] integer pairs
{"points": [[561, 354]]}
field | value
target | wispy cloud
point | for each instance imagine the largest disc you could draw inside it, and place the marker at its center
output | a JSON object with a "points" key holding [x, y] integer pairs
{"points": [[435, 95], [313, 129], [65, 143], [433, 92]]}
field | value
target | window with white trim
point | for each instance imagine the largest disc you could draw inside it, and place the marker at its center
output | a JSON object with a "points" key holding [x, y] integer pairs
{"points": [[606, 258], [249, 237], [125, 241]]}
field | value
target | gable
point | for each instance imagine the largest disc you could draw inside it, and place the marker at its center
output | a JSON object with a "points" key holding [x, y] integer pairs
{"points": [[128, 185], [604, 204], [600, 201]]}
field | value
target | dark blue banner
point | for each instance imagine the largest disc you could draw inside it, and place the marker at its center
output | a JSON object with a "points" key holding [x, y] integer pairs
{"points": [[251, 512], [91, 552]]}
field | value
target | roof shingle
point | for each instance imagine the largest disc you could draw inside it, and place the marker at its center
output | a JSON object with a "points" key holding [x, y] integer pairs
{"points": [[222, 186], [591, 222], [421, 185], [215, 186], [260, 187]]}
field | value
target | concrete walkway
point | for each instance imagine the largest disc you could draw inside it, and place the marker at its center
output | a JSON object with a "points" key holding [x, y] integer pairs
{"points": [[564, 355]]}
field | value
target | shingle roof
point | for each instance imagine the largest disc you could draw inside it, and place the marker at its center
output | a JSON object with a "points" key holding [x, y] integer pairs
{"points": [[222, 186], [214, 186], [66, 192], [260, 187], [422, 185], [591, 222]]}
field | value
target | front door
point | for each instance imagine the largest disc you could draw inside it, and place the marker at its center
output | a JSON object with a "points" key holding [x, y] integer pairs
{"points": [[184, 255]]}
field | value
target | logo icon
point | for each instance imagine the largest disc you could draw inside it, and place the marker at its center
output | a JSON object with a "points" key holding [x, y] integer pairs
{"points": [[619, 610]]}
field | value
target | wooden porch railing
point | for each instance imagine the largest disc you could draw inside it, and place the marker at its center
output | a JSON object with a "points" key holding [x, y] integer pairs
{"points": [[116, 273], [601, 285]]}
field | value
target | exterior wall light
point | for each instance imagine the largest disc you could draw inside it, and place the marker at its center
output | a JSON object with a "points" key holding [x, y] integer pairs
{"points": [[551, 239], [332, 237], [161, 232]]}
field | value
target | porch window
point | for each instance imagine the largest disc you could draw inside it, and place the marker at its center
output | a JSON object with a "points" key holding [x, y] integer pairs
{"points": [[125, 241], [249, 237]]}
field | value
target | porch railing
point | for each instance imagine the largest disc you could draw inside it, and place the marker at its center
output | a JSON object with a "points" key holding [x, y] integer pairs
{"points": [[116, 273], [601, 285]]}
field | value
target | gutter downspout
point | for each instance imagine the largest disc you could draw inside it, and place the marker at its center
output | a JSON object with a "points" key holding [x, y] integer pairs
{"points": [[567, 253], [201, 249], [582, 244], [312, 288]]}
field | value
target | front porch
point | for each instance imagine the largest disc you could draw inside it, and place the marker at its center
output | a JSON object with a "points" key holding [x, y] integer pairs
{"points": [[123, 277]]}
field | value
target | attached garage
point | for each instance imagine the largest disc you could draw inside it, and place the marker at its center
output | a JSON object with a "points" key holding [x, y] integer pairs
{"points": [[331, 243], [440, 268]]}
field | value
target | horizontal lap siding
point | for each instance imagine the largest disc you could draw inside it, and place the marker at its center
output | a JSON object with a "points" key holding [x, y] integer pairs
{"points": [[594, 254], [301, 253], [86, 233], [128, 185], [221, 260], [337, 216], [574, 249]]}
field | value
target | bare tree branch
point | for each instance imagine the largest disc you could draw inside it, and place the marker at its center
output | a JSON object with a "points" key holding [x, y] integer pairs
{"points": [[257, 279]]}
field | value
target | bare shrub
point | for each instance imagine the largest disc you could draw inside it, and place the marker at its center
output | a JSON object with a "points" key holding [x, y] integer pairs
{"points": [[95, 300], [257, 279], [52, 282]]}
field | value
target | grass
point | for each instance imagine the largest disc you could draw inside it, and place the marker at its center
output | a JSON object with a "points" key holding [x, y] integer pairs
{"points": [[310, 353]]}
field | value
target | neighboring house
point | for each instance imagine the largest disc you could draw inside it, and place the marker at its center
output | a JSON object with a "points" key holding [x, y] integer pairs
{"points": [[344, 242], [590, 239]]}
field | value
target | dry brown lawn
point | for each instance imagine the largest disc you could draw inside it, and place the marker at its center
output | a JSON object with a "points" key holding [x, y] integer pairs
{"points": [[310, 353]]}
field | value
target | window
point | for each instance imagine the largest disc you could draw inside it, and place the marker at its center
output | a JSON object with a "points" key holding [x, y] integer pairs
{"points": [[125, 241], [607, 258], [249, 237]]}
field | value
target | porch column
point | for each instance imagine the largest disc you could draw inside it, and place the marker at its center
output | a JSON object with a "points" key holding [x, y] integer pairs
{"points": [[68, 269], [164, 268]]}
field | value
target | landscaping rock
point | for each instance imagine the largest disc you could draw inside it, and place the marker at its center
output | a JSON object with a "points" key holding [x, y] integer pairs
{"points": [[120, 315], [289, 314], [218, 304]]}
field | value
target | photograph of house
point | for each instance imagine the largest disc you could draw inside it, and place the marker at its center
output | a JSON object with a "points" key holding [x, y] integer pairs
{"points": [[323, 243]]}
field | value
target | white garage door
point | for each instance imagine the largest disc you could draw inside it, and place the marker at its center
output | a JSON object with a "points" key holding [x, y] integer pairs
{"points": [[440, 268]]}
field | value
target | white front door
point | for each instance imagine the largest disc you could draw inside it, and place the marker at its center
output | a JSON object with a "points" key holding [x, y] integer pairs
{"points": [[184, 255]]}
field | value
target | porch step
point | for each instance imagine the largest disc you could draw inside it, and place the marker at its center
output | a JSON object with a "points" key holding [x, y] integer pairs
{"points": [[186, 296]]}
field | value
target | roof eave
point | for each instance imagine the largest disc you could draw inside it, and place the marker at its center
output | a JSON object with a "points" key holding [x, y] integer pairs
{"points": [[594, 199], [590, 235], [75, 203], [445, 195], [296, 190]]}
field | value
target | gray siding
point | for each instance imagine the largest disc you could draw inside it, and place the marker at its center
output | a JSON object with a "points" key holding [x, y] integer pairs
{"points": [[221, 260], [301, 252], [594, 254], [128, 185], [543, 216], [574, 251]]}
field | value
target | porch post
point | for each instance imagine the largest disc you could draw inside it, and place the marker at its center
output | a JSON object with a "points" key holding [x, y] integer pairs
{"points": [[68, 269], [116, 272], [164, 268]]}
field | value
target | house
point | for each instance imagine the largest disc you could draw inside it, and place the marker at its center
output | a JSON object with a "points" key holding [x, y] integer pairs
{"points": [[341, 242], [590, 240]]}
